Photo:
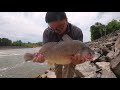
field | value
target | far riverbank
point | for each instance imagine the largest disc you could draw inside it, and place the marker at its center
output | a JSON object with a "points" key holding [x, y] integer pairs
{"points": [[15, 47]]}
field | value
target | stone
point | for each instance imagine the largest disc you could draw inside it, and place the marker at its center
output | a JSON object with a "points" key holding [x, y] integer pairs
{"points": [[92, 71], [109, 44], [114, 38], [105, 50], [87, 70], [43, 76], [117, 46], [102, 59], [96, 56], [110, 55], [106, 71], [115, 65], [98, 50], [51, 74]]}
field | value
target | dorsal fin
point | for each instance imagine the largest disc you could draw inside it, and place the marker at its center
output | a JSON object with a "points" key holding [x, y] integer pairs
{"points": [[47, 46], [66, 38]]}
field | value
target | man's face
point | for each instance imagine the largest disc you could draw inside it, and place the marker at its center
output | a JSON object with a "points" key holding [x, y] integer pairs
{"points": [[58, 26]]}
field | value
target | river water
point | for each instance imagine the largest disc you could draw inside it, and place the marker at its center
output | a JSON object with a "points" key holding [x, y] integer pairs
{"points": [[12, 64]]}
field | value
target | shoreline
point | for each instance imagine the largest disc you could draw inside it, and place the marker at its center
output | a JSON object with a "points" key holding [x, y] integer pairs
{"points": [[14, 47]]}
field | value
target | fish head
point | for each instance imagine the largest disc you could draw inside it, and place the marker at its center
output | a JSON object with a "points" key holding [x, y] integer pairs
{"points": [[84, 50], [87, 53]]}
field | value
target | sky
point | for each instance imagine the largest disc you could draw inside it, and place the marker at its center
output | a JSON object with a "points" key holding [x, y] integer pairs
{"points": [[29, 26]]}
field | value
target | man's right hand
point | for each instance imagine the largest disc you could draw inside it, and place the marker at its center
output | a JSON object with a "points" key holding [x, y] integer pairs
{"points": [[38, 57]]}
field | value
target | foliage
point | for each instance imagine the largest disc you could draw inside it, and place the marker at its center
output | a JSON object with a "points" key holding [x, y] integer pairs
{"points": [[7, 42], [98, 30]]}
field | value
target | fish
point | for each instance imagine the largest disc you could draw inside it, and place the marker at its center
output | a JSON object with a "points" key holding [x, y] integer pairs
{"points": [[60, 52]]}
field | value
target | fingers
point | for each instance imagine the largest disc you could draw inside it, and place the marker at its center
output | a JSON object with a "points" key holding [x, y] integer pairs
{"points": [[39, 58], [77, 59], [42, 58]]}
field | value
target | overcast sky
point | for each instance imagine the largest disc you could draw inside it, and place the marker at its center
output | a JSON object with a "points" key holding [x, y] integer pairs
{"points": [[29, 26]]}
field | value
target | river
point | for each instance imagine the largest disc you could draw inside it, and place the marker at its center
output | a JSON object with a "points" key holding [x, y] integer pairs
{"points": [[12, 64]]}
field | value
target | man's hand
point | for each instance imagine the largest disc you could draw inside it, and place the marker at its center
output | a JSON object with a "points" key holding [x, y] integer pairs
{"points": [[77, 59], [38, 57]]}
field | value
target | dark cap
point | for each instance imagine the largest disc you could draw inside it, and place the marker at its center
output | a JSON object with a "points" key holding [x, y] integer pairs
{"points": [[54, 16]]}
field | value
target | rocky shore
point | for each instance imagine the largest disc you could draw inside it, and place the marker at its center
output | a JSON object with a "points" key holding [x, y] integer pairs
{"points": [[106, 65]]}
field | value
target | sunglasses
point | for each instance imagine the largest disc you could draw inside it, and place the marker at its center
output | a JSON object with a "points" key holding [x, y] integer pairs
{"points": [[60, 28]]}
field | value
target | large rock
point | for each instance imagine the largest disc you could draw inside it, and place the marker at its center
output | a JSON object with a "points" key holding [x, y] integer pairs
{"points": [[102, 70], [109, 44], [115, 65], [86, 69], [98, 50], [110, 55], [114, 38], [104, 50], [103, 59], [109, 49], [106, 71], [51, 74], [117, 46]]}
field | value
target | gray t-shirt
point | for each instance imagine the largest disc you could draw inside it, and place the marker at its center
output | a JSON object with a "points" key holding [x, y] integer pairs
{"points": [[73, 31]]}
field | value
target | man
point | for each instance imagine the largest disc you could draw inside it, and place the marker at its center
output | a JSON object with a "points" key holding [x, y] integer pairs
{"points": [[58, 25]]}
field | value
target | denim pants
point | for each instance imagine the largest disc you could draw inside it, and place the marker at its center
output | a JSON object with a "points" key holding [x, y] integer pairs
{"points": [[64, 71]]}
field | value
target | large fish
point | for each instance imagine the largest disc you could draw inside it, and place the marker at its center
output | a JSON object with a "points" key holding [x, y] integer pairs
{"points": [[60, 52]]}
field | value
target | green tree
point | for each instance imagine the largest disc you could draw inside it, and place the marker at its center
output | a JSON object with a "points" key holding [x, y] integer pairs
{"points": [[113, 26], [7, 42], [17, 43], [4, 41], [39, 43], [98, 30], [0, 42]]}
